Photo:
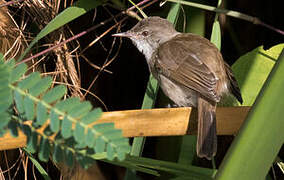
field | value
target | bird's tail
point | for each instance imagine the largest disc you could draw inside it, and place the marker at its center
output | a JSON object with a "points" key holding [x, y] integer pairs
{"points": [[206, 137]]}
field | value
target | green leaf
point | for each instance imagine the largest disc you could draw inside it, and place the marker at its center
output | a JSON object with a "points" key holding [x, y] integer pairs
{"points": [[58, 154], [113, 134], [5, 91], [66, 131], [4, 119], [216, 30], [32, 142], [19, 102], [67, 104], [18, 72], [110, 152], [252, 69], [79, 133], [264, 122], [11, 64], [195, 21], [54, 94], [5, 99], [29, 108], [90, 138], [41, 86], [4, 81], [2, 132], [187, 153], [121, 141], [3, 88], [2, 60], [69, 14], [3, 107], [41, 114], [28, 82], [85, 162], [81, 109], [6, 95], [4, 72], [81, 145], [124, 148], [132, 167], [44, 150], [54, 121], [100, 145], [194, 172], [47, 131], [13, 127], [69, 159], [103, 127], [216, 34], [174, 13], [121, 155], [92, 116], [38, 166], [27, 131]]}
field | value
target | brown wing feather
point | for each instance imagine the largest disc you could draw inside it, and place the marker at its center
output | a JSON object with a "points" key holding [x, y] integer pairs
{"points": [[181, 63], [234, 87]]}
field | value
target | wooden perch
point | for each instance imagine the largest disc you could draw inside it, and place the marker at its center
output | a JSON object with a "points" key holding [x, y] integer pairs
{"points": [[155, 122]]}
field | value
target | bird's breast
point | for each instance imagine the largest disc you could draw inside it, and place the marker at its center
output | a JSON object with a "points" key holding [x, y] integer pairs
{"points": [[178, 94]]}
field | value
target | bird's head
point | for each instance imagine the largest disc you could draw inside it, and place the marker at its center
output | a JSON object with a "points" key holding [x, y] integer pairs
{"points": [[149, 33]]}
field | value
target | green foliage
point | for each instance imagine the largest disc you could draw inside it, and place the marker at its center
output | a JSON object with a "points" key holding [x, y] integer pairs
{"points": [[252, 69], [261, 135], [152, 166], [37, 165], [69, 119], [5, 94], [216, 35], [174, 13]]}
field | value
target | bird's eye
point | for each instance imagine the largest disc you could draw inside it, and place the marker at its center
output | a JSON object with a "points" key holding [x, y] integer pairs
{"points": [[145, 33]]}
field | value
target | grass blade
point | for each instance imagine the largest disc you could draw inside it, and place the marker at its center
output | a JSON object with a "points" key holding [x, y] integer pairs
{"points": [[261, 136]]}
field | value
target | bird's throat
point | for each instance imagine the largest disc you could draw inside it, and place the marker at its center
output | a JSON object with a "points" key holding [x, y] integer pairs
{"points": [[145, 48]]}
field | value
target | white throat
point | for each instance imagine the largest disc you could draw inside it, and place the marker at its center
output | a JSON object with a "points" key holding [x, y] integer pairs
{"points": [[145, 48]]}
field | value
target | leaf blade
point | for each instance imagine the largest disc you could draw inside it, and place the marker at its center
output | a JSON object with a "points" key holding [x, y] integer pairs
{"points": [[54, 94], [18, 72], [92, 116], [66, 131]]}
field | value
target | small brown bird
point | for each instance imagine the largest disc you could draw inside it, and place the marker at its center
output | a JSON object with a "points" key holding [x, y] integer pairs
{"points": [[190, 70]]}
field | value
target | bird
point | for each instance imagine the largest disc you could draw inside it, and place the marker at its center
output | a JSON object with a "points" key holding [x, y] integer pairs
{"points": [[190, 70]]}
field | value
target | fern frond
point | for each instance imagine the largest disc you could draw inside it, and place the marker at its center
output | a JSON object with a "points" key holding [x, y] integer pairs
{"points": [[69, 120], [5, 94]]}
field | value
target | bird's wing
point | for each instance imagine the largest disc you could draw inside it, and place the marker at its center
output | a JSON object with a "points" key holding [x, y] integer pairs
{"points": [[177, 60]]}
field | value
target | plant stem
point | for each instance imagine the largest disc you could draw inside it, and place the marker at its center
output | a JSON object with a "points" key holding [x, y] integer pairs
{"points": [[231, 13]]}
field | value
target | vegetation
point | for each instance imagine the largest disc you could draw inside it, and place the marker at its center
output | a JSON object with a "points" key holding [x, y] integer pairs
{"points": [[61, 125]]}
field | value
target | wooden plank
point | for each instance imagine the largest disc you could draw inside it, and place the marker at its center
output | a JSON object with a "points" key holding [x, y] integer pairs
{"points": [[155, 122]]}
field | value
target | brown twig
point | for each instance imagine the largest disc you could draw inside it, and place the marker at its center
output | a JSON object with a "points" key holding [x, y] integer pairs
{"points": [[93, 65], [79, 35], [106, 63], [94, 95], [67, 40], [10, 3]]}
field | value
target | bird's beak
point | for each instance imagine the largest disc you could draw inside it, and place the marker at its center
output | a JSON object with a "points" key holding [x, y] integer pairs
{"points": [[124, 34]]}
